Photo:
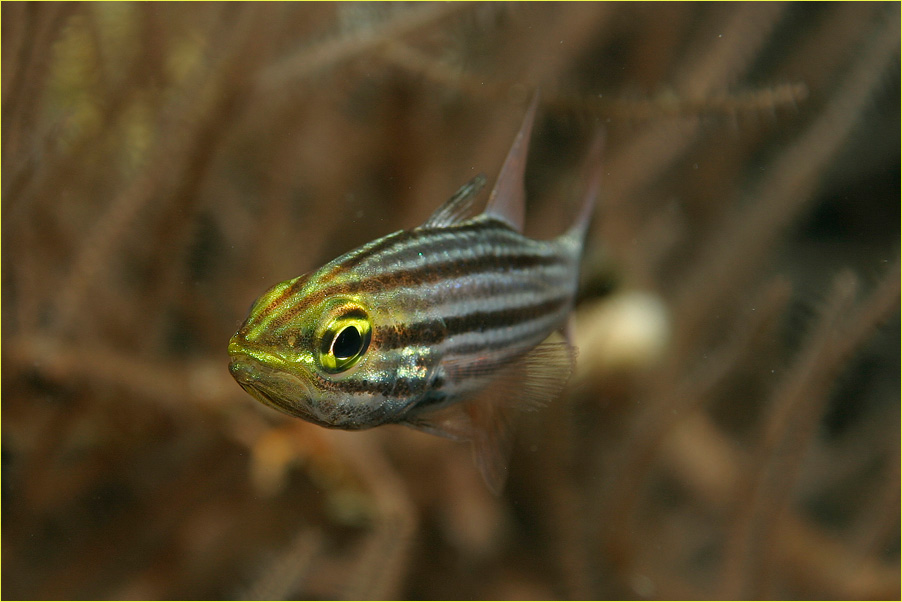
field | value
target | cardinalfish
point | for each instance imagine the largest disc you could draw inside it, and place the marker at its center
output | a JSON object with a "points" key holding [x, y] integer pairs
{"points": [[443, 328]]}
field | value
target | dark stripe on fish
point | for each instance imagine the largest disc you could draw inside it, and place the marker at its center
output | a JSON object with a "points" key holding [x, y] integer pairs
{"points": [[497, 344], [367, 251], [396, 387], [431, 332], [428, 332], [283, 297], [480, 321], [409, 239]]}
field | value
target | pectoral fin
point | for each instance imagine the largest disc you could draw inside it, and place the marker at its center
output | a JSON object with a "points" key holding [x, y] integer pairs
{"points": [[487, 419]]}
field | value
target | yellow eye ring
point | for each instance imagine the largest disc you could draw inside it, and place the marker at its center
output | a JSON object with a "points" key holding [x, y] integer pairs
{"points": [[345, 341]]}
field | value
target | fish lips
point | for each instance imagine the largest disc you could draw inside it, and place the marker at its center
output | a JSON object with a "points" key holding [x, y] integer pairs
{"points": [[274, 388]]}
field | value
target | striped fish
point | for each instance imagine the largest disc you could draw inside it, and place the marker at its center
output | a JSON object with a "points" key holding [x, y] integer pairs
{"points": [[442, 328]]}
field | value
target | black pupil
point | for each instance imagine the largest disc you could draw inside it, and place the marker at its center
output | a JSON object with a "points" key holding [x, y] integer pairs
{"points": [[347, 343]]}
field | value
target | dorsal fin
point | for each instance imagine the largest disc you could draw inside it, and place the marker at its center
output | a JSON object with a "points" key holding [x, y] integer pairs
{"points": [[508, 198], [458, 206]]}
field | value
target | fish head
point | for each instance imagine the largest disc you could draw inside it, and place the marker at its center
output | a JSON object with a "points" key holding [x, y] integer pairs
{"points": [[319, 357]]}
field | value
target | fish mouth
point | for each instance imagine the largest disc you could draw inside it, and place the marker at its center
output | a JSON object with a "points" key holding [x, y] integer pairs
{"points": [[272, 387]]}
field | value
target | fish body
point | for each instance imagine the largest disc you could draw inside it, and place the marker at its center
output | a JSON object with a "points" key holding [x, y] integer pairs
{"points": [[440, 328]]}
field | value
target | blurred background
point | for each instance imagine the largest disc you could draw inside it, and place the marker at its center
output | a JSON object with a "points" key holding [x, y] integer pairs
{"points": [[732, 430]]}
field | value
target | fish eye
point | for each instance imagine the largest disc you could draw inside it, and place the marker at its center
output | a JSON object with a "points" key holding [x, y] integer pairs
{"points": [[347, 344], [344, 341]]}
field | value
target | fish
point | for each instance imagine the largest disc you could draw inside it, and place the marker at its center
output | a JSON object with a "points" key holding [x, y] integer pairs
{"points": [[451, 327]]}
